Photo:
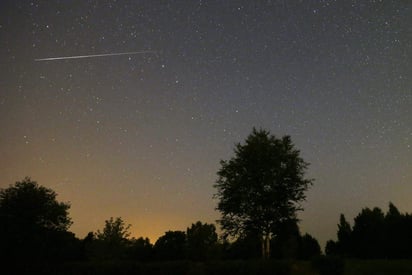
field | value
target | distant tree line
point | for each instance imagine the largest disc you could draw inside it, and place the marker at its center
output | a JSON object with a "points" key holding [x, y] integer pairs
{"points": [[34, 229], [199, 242], [374, 235]]}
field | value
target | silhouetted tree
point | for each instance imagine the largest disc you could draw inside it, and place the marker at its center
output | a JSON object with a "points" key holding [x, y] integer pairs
{"points": [[261, 186], [140, 249], [396, 232], [374, 235], [286, 240], [247, 246], [114, 231], [112, 242], [87, 245], [368, 233], [344, 237], [171, 246], [331, 248], [407, 236], [33, 223], [309, 247], [201, 241]]}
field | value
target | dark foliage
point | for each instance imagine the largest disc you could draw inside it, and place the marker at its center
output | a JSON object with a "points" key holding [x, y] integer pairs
{"points": [[171, 246], [287, 244], [309, 247], [201, 241], [34, 239], [34, 224], [112, 242], [140, 249], [374, 235], [261, 187]]}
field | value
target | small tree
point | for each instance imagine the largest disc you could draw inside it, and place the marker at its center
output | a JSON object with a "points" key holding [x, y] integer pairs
{"points": [[344, 236], [113, 240], [114, 231], [261, 186]]}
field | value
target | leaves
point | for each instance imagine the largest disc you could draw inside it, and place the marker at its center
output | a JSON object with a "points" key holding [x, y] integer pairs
{"points": [[30, 205], [262, 185], [115, 231]]}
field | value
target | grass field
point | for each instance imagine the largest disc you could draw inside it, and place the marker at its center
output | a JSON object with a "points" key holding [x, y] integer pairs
{"points": [[378, 267], [352, 267]]}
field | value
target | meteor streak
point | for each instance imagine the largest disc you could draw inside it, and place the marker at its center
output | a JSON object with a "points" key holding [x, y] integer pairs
{"points": [[90, 56]]}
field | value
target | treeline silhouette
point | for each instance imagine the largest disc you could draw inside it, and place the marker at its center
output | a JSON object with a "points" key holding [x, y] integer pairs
{"points": [[34, 228], [199, 242], [374, 235], [34, 232]]}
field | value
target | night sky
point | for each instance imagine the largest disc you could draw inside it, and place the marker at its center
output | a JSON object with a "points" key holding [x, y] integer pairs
{"points": [[140, 135]]}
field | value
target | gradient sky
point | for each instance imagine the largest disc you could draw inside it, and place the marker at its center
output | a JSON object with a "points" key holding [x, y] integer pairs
{"points": [[140, 136]]}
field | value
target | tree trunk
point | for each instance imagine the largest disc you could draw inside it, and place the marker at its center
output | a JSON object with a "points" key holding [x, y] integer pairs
{"points": [[267, 252], [265, 246]]}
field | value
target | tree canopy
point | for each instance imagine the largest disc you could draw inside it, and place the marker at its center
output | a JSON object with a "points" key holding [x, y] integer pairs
{"points": [[171, 246], [33, 223], [261, 186], [113, 241], [30, 205], [374, 235], [201, 240], [115, 231]]}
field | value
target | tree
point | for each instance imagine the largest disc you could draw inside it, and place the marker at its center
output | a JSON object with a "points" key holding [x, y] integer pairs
{"points": [[114, 231], [374, 235], [30, 205], [33, 222], [244, 247], [201, 240], [113, 240], [261, 186], [286, 240], [396, 234], [369, 233], [344, 236], [171, 246], [331, 248], [309, 247], [140, 249]]}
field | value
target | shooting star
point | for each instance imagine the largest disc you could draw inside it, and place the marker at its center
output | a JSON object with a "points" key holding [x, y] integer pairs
{"points": [[90, 56]]}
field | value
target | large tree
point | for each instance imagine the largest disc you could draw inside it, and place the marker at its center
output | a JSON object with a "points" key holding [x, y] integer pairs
{"points": [[33, 222], [261, 186], [30, 205]]}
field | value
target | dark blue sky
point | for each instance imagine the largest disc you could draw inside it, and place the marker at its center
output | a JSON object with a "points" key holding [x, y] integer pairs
{"points": [[140, 136]]}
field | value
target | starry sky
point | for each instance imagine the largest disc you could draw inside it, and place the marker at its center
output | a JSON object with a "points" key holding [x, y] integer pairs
{"points": [[140, 135]]}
